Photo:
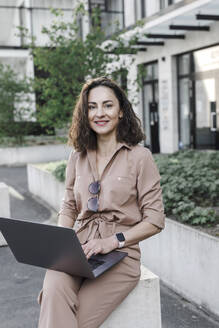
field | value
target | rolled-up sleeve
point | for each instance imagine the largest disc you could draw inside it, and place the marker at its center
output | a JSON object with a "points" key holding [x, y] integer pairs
{"points": [[68, 206], [149, 191]]}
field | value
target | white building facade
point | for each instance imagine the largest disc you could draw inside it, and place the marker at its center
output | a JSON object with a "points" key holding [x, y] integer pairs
{"points": [[178, 46], [179, 100]]}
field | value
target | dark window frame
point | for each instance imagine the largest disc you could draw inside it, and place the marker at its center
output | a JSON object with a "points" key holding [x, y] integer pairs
{"points": [[122, 12], [190, 76], [165, 3], [151, 82], [142, 10]]}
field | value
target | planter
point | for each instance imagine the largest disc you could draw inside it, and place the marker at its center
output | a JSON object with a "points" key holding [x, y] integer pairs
{"points": [[33, 154], [187, 261], [141, 308], [185, 258], [43, 184]]}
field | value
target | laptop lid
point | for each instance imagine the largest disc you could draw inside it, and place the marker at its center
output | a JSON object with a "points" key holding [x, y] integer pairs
{"points": [[54, 247]]}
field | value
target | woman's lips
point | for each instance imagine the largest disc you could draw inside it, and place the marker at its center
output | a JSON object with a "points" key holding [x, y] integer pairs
{"points": [[101, 123]]}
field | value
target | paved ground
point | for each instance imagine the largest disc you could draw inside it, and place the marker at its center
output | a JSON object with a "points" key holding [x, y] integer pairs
{"points": [[20, 284]]}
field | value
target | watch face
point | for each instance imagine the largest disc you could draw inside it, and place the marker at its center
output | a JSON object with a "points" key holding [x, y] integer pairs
{"points": [[120, 236]]}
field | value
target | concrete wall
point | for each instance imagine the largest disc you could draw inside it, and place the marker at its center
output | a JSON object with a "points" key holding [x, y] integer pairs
{"points": [[44, 185], [35, 154], [4, 207], [187, 261], [141, 308]]}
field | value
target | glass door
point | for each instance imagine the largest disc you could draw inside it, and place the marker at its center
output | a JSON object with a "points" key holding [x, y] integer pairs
{"points": [[154, 125], [151, 116], [185, 112], [150, 106], [205, 113], [147, 99]]}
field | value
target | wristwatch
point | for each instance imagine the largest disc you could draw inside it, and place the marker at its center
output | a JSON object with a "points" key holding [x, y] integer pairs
{"points": [[121, 239]]}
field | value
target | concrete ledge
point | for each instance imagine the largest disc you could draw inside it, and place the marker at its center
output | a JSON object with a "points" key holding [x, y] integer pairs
{"points": [[187, 261], [4, 207], [141, 308], [45, 186], [35, 154]]}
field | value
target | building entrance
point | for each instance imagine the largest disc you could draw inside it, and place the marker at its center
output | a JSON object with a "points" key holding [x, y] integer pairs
{"points": [[150, 107], [154, 125]]}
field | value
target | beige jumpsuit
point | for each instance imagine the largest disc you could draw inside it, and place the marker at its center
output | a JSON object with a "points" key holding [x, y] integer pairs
{"points": [[130, 193]]}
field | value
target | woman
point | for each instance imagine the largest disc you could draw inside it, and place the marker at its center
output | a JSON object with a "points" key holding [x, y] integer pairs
{"points": [[113, 197]]}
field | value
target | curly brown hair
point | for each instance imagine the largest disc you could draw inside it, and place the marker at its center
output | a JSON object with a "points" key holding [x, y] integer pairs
{"points": [[82, 137]]}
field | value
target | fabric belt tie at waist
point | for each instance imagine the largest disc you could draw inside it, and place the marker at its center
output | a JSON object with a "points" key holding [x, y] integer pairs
{"points": [[98, 224]]}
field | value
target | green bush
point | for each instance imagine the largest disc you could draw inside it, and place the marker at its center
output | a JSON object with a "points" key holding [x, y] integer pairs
{"points": [[59, 172], [190, 184]]}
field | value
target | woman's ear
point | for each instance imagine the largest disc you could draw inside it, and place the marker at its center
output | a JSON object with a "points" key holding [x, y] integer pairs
{"points": [[120, 114]]}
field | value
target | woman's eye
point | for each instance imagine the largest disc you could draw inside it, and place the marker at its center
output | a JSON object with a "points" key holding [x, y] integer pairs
{"points": [[109, 105], [91, 107]]}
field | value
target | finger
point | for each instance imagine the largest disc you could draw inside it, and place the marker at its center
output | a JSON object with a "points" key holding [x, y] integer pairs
{"points": [[89, 250], [90, 253], [97, 250], [85, 248], [89, 245], [93, 251]]}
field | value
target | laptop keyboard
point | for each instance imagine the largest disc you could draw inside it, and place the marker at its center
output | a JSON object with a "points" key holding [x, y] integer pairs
{"points": [[94, 263]]}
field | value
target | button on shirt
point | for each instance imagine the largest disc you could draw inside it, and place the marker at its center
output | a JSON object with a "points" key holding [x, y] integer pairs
{"points": [[130, 192]]}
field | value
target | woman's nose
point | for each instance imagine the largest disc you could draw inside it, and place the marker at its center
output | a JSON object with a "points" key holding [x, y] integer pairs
{"points": [[100, 111]]}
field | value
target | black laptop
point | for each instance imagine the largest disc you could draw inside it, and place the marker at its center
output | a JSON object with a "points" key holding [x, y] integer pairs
{"points": [[54, 248]]}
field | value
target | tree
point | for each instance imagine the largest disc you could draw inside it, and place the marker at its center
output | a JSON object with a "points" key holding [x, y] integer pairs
{"points": [[66, 62], [15, 103]]}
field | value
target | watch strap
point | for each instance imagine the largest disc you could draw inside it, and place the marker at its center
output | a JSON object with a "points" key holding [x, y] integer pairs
{"points": [[121, 244], [121, 239]]}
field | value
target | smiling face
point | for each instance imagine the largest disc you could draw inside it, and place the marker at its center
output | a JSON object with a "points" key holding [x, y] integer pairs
{"points": [[103, 111]]}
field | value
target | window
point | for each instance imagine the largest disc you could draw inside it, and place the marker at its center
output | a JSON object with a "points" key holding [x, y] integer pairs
{"points": [[150, 72], [150, 102], [111, 14], [184, 64], [165, 3], [140, 11]]}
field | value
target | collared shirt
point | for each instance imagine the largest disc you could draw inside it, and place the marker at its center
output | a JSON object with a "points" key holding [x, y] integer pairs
{"points": [[130, 192]]}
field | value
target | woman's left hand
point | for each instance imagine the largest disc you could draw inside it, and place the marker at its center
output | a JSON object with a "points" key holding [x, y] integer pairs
{"points": [[103, 246]]}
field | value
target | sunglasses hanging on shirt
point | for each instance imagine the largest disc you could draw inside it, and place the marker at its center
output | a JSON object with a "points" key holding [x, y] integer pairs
{"points": [[93, 202]]}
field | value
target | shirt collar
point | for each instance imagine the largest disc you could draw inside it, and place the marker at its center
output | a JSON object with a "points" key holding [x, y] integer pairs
{"points": [[121, 144], [91, 154]]}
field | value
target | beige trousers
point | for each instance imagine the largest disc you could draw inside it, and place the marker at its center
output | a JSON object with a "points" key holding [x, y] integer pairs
{"points": [[74, 302]]}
